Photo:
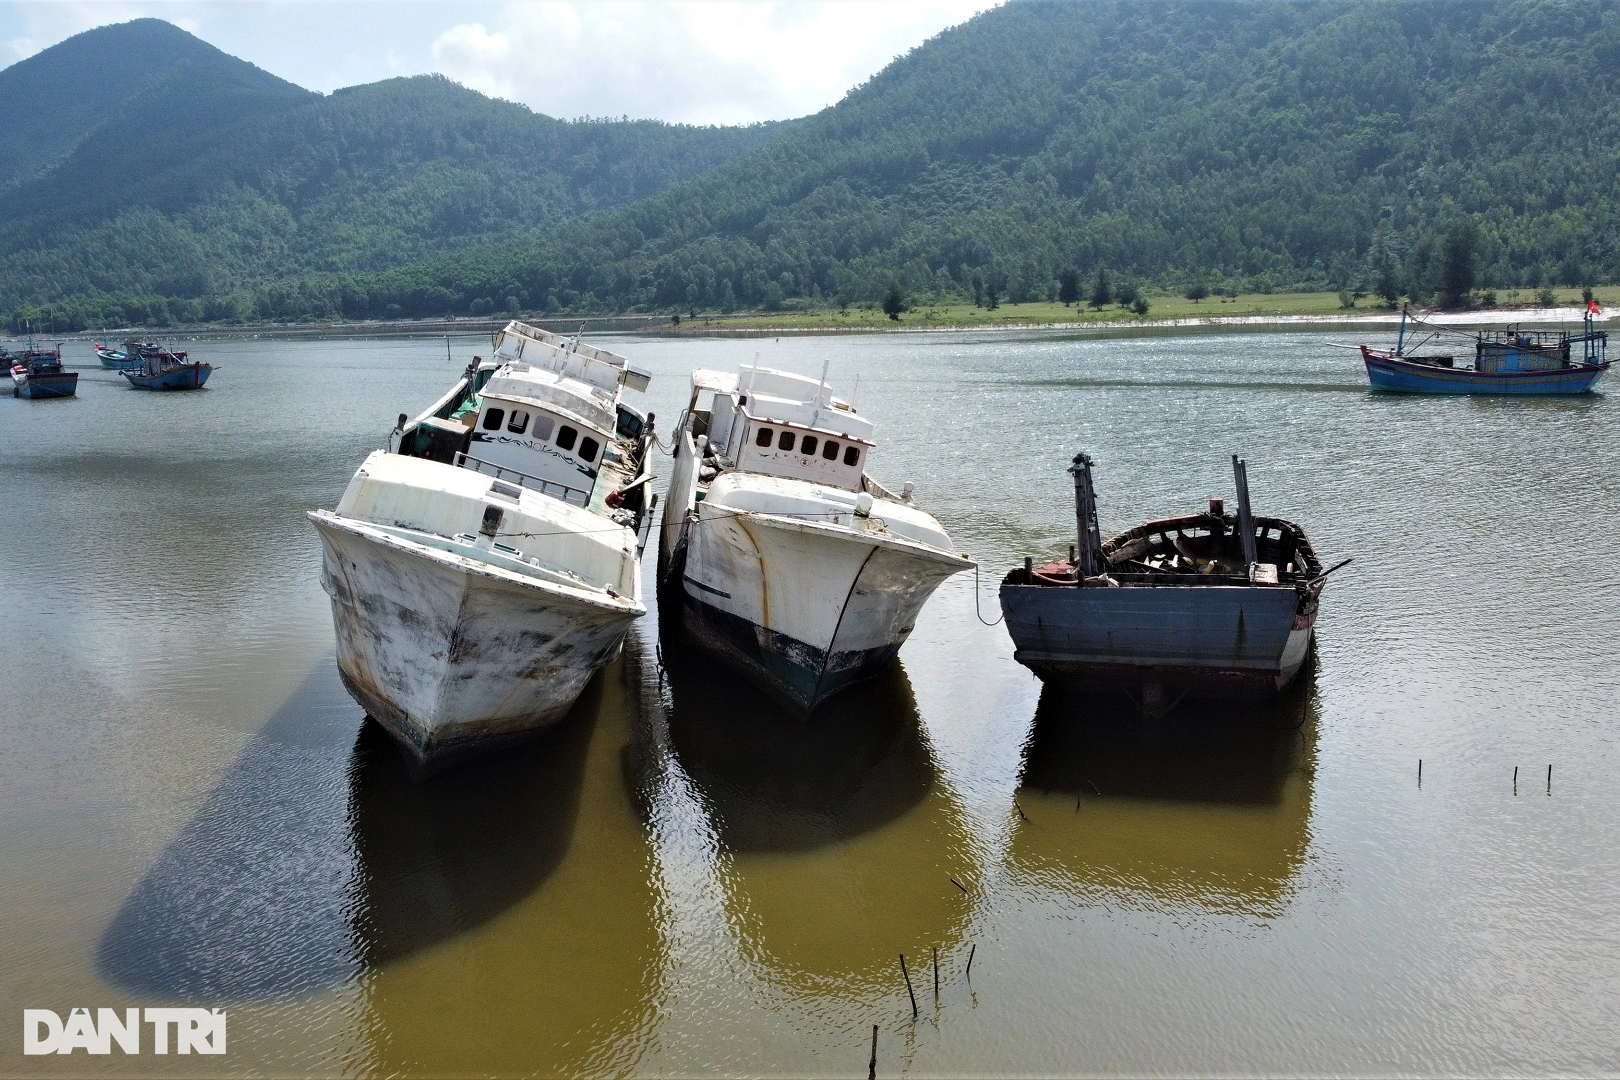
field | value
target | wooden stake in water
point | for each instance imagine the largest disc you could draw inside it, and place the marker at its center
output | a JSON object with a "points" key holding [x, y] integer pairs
{"points": [[1515, 779], [970, 959], [1549, 779], [871, 1067], [1420, 774], [935, 950], [907, 976]]}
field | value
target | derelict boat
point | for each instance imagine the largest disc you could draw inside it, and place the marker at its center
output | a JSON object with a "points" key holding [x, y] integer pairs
{"points": [[1209, 605], [783, 557], [486, 566]]}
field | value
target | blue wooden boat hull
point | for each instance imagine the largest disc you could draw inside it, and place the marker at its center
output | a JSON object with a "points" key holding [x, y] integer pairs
{"points": [[65, 384], [184, 377], [119, 363], [1223, 641], [1401, 376]]}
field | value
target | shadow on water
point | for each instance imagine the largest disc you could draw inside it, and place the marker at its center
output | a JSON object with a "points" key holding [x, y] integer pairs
{"points": [[443, 855], [772, 781], [1209, 806], [837, 838], [317, 854]]}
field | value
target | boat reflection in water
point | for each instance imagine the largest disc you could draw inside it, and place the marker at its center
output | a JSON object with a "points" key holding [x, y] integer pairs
{"points": [[839, 838], [521, 879], [1209, 807]]}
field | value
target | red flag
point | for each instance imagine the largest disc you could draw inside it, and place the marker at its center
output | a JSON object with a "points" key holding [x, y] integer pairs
{"points": [[1592, 308]]}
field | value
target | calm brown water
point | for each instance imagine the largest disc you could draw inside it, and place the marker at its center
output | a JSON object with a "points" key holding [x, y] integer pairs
{"points": [[681, 881]]}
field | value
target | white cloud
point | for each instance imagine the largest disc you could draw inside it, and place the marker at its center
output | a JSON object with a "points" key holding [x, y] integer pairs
{"points": [[694, 61], [702, 62]]}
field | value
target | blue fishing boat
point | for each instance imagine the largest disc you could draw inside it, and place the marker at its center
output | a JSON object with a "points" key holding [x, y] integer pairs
{"points": [[38, 373], [1510, 361], [161, 369], [134, 354], [1214, 605]]}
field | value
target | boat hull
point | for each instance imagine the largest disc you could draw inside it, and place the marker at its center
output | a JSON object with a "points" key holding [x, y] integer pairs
{"points": [[65, 384], [1236, 642], [184, 377], [452, 659], [802, 610], [1389, 374]]}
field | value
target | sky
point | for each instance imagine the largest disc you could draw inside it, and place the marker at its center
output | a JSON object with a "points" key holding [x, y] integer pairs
{"points": [[685, 61]]}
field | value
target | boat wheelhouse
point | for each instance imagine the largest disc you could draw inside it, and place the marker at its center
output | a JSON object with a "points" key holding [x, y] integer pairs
{"points": [[486, 566], [778, 551]]}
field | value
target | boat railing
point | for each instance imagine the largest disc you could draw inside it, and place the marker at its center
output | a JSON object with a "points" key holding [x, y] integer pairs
{"points": [[523, 479]]}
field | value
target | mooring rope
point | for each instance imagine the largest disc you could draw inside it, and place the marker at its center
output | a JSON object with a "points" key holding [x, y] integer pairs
{"points": [[976, 610]]}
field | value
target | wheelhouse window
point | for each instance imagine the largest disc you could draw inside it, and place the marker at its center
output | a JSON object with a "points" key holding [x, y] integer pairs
{"points": [[542, 427], [852, 455], [807, 446], [519, 420], [786, 441], [829, 450], [764, 437], [493, 418], [588, 448], [566, 437]]}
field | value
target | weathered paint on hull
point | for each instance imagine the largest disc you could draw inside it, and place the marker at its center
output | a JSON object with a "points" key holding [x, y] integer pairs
{"points": [[451, 661], [47, 386], [1209, 641], [184, 377], [1407, 378], [803, 611], [792, 671]]}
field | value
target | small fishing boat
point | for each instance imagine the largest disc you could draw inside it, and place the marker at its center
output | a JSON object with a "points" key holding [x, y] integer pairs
{"points": [[487, 564], [133, 355], [153, 367], [38, 373], [1510, 361], [1214, 605], [778, 551]]}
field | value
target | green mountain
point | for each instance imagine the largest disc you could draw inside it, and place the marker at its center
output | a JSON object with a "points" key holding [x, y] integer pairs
{"points": [[51, 101], [212, 186], [1247, 143]]}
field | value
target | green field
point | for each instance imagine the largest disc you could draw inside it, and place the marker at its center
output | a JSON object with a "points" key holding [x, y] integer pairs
{"points": [[1162, 309]]}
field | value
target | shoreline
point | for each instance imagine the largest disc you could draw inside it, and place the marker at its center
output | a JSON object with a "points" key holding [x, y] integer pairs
{"points": [[755, 325]]}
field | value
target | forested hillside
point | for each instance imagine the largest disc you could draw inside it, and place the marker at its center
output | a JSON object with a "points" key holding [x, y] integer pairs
{"points": [[1261, 145], [198, 192], [52, 100]]}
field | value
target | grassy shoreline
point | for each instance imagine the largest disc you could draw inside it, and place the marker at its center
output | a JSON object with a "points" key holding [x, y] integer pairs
{"points": [[1166, 312]]}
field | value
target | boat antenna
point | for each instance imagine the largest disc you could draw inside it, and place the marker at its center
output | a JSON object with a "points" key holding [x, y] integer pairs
{"points": [[821, 391], [855, 391], [1401, 337], [1088, 560]]}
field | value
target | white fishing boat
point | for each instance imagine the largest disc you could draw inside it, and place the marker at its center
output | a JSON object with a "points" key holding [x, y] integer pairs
{"points": [[780, 553], [485, 566]]}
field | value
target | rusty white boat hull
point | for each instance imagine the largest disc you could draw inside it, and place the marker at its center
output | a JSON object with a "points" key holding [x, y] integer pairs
{"points": [[469, 611], [449, 654], [806, 602]]}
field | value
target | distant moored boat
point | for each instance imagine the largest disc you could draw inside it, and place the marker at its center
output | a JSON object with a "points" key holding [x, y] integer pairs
{"points": [[1511, 361], [38, 373], [152, 367]]}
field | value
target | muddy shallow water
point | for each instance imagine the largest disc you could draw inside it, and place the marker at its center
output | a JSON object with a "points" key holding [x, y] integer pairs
{"points": [[680, 880]]}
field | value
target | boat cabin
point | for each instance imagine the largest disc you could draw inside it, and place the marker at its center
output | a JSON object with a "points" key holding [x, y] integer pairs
{"points": [[1498, 352], [544, 414], [761, 420]]}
